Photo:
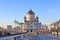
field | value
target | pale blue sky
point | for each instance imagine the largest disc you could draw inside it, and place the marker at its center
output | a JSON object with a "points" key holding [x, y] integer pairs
{"points": [[47, 10]]}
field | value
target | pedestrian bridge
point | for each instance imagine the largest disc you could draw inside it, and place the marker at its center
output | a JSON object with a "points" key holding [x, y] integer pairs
{"points": [[14, 37], [35, 37]]}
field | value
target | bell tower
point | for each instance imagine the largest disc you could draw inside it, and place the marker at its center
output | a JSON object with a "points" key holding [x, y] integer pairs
{"points": [[25, 19]]}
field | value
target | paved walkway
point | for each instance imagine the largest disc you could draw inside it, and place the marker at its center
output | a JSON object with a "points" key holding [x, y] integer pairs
{"points": [[41, 37]]}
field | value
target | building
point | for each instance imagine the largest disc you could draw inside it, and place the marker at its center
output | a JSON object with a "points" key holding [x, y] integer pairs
{"points": [[3, 31], [16, 30], [31, 22], [55, 26], [9, 28], [45, 27]]}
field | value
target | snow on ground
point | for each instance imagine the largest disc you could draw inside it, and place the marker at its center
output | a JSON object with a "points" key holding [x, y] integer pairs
{"points": [[41, 37]]}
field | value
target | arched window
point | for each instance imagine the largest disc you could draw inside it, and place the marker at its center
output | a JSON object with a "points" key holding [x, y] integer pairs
{"points": [[31, 30], [31, 23], [28, 24], [31, 26]]}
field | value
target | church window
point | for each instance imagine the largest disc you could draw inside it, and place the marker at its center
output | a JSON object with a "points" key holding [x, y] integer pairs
{"points": [[31, 26], [31, 30], [36, 24], [28, 23], [31, 23]]}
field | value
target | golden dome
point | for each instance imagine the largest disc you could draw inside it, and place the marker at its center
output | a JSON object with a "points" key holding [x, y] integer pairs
{"points": [[30, 12]]}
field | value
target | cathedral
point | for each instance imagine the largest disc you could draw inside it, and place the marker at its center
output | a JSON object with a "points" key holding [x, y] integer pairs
{"points": [[31, 22]]}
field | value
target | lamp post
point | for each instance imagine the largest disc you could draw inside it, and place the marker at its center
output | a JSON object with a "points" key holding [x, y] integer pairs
{"points": [[57, 28], [51, 31]]}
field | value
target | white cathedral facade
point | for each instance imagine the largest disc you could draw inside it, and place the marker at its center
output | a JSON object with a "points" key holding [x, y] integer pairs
{"points": [[31, 22]]}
